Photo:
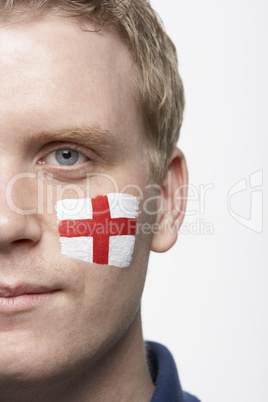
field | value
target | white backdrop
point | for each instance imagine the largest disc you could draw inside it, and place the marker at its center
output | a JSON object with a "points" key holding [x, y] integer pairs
{"points": [[206, 299]]}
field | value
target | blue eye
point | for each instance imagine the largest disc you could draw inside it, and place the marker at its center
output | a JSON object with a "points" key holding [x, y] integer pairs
{"points": [[66, 157]]}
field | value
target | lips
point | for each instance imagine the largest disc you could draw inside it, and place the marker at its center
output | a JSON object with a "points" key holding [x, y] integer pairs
{"points": [[23, 289], [25, 297]]}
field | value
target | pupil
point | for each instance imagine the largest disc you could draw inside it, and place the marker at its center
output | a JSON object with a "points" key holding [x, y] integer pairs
{"points": [[66, 154]]}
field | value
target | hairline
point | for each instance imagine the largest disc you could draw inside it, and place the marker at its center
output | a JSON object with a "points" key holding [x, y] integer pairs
{"points": [[134, 89], [157, 112]]}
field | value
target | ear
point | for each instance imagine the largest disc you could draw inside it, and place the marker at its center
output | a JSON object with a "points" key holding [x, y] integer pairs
{"points": [[174, 188]]}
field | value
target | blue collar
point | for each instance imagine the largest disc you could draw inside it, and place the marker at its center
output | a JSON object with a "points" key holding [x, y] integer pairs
{"points": [[165, 376]]}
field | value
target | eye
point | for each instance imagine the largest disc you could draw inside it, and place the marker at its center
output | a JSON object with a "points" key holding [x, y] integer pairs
{"points": [[65, 157]]}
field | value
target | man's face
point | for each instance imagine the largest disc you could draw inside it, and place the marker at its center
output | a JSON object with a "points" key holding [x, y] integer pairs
{"points": [[57, 79]]}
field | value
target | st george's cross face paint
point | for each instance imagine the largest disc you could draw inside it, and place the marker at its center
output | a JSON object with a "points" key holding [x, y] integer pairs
{"points": [[99, 230]]}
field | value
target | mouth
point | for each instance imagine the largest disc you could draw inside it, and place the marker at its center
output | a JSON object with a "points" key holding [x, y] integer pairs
{"points": [[24, 297]]}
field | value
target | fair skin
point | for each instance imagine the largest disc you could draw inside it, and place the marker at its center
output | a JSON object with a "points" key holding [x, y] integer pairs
{"points": [[83, 342]]}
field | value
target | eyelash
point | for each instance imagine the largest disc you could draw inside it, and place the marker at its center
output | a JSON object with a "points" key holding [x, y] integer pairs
{"points": [[88, 154], [53, 154], [72, 172]]}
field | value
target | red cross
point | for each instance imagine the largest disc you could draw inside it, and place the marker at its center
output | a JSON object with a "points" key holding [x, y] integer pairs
{"points": [[100, 227]]}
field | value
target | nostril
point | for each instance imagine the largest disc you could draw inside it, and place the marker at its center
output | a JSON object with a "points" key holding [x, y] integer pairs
{"points": [[22, 242]]}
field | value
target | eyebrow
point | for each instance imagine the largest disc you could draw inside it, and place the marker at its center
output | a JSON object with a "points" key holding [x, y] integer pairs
{"points": [[90, 135]]}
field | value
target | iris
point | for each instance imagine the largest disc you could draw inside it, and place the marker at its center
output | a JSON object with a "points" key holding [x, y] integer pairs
{"points": [[67, 157]]}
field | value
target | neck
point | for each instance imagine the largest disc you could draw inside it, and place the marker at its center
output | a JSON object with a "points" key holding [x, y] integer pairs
{"points": [[124, 370], [121, 375]]}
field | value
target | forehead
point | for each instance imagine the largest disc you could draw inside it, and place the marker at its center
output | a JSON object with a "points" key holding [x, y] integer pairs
{"points": [[52, 67]]}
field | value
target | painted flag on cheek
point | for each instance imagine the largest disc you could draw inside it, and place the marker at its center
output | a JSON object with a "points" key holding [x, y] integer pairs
{"points": [[99, 230]]}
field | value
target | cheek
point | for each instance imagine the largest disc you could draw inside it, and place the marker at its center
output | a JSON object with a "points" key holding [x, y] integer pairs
{"points": [[103, 287], [100, 230], [98, 236]]}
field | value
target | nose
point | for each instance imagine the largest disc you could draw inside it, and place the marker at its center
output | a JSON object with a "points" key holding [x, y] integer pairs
{"points": [[17, 227], [17, 230]]}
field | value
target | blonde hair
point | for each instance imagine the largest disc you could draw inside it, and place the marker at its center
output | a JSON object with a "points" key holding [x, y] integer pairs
{"points": [[161, 94]]}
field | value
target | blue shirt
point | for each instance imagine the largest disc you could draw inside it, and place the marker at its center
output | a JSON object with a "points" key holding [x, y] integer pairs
{"points": [[165, 376]]}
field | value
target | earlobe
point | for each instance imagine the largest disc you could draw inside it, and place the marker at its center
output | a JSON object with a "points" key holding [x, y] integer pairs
{"points": [[174, 192]]}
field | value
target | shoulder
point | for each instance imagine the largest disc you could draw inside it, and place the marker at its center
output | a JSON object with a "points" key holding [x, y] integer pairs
{"points": [[165, 375]]}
